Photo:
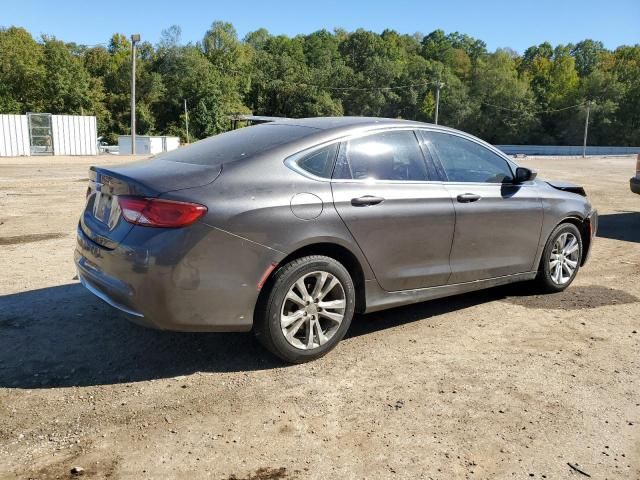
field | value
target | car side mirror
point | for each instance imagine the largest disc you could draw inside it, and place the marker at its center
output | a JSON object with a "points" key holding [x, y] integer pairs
{"points": [[524, 175]]}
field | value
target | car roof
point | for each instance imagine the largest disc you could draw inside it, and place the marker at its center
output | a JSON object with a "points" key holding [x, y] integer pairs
{"points": [[344, 123], [331, 128]]}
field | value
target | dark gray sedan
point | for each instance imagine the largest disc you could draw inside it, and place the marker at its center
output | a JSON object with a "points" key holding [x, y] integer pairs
{"points": [[290, 227]]}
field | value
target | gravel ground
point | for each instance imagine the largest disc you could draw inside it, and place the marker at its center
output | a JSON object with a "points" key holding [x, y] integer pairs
{"points": [[496, 384]]}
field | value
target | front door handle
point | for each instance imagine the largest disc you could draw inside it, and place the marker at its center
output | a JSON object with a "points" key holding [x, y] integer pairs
{"points": [[366, 201], [468, 197]]}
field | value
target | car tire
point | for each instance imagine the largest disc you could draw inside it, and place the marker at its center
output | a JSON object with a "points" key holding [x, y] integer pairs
{"points": [[299, 326], [561, 259]]}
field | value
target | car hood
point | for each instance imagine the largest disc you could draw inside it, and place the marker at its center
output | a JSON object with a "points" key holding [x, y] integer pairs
{"points": [[567, 187]]}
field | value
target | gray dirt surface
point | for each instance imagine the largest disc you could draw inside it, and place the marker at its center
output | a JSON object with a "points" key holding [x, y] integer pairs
{"points": [[503, 383]]}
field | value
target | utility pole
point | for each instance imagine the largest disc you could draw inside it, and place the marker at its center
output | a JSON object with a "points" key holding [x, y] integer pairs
{"points": [[586, 130], [439, 85], [135, 38], [186, 119]]}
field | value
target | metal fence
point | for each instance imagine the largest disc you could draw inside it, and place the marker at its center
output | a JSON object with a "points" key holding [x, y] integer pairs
{"points": [[14, 136], [74, 135], [46, 134], [565, 150]]}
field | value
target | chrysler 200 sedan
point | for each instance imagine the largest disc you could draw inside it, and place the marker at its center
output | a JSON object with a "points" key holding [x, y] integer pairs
{"points": [[289, 228]]}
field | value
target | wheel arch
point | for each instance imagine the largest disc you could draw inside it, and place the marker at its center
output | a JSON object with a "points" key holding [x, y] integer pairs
{"points": [[336, 251]]}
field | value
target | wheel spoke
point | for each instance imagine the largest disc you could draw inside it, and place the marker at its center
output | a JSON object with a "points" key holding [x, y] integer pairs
{"points": [[335, 317], [295, 298], [322, 339], [310, 334], [557, 273], [567, 269], [562, 241], [303, 289], [572, 246], [333, 304], [328, 287], [287, 320], [321, 280], [294, 329], [571, 263]]}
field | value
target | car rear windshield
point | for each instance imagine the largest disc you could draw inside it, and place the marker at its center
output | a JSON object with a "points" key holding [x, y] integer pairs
{"points": [[238, 144]]}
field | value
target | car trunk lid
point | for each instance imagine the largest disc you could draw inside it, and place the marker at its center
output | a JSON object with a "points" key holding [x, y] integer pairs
{"points": [[102, 219]]}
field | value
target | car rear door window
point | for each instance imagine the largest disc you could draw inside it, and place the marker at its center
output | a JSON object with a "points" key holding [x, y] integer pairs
{"points": [[467, 161], [393, 155]]}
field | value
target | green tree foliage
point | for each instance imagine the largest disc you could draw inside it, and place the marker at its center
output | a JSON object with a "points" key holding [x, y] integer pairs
{"points": [[536, 97], [22, 71]]}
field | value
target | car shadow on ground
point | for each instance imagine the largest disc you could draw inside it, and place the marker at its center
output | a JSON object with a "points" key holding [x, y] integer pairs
{"points": [[620, 226], [63, 336], [376, 321]]}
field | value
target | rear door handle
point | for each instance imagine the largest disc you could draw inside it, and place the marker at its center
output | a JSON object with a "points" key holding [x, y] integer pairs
{"points": [[366, 201], [468, 197]]}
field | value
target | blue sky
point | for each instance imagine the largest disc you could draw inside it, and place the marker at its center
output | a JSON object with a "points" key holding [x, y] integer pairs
{"points": [[499, 23]]}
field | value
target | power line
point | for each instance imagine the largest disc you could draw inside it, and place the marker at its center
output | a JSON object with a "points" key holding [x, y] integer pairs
{"points": [[537, 112], [397, 87]]}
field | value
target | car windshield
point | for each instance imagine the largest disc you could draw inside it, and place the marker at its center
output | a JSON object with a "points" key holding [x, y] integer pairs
{"points": [[238, 144]]}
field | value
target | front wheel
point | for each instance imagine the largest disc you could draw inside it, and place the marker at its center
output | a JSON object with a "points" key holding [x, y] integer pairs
{"points": [[561, 258], [307, 310]]}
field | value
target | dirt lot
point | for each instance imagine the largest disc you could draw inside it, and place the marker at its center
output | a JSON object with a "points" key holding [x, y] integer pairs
{"points": [[497, 384]]}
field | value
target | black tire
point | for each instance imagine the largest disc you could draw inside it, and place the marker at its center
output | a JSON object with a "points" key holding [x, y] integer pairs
{"points": [[545, 280], [267, 326]]}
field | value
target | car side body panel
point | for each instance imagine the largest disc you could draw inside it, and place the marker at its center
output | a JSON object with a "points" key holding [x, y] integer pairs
{"points": [[406, 237], [496, 235]]}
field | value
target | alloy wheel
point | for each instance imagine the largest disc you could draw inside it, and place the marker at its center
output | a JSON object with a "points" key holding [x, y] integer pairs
{"points": [[564, 258], [313, 310]]}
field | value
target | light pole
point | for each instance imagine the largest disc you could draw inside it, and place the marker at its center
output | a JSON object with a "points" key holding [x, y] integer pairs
{"points": [[135, 38], [586, 130], [186, 119], [439, 85]]}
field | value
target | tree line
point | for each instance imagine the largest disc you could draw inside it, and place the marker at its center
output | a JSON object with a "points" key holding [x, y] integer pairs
{"points": [[539, 97]]}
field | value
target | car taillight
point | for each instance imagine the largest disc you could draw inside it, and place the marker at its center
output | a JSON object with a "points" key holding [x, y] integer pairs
{"points": [[638, 165], [154, 212]]}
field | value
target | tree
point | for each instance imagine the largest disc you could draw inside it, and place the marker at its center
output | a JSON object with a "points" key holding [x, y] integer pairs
{"points": [[506, 103], [587, 54], [221, 45], [67, 87], [22, 73]]}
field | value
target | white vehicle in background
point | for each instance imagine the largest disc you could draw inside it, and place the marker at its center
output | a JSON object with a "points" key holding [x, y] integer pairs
{"points": [[104, 147]]}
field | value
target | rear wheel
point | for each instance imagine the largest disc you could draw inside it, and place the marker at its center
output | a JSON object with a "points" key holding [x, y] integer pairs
{"points": [[307, 310], [561, 258]]}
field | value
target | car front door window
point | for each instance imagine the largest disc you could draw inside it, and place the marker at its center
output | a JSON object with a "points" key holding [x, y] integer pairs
{"points": [[466, 161]]}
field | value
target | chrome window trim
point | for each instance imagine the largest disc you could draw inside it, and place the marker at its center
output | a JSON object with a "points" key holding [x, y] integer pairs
{"points": [[291, 161]]}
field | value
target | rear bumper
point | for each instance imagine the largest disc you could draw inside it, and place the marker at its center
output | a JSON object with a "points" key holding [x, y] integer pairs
{"points": [[634, 185], [104, 287], [195, 279]]}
